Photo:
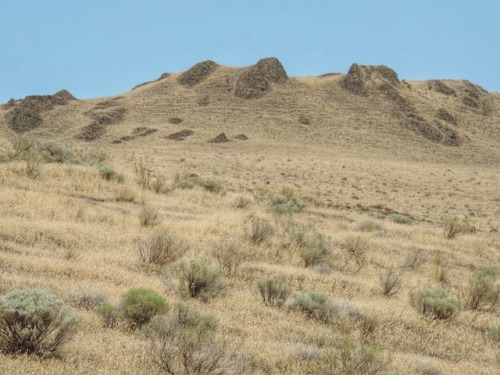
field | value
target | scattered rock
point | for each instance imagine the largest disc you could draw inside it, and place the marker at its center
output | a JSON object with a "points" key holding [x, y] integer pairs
{"points": [[444, 115], [304, 120], [103, 114], [441, 87], [256, 81], [221, 138], [180, 136], [26, 114], [142, 131], [241, 137], [175, 120], [197, 73], [353, 81]]}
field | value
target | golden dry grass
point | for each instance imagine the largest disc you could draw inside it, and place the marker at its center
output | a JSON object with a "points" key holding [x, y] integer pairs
{"points": [[70, 231]]}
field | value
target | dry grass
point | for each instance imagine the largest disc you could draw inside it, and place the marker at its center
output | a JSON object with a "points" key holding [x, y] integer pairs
{"points": [[353, 179]]}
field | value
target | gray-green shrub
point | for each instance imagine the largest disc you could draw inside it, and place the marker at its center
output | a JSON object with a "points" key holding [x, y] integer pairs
{"points": [[190, 344], [199, 279], [274, 291], [258, 229], [34, 321], [453, 226], [108, 173], [314, 249], [434, 303], [318, 306], [481, 292], [349, 358], [109, 314]]}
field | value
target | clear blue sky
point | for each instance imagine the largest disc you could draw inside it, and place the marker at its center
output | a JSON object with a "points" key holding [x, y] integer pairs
{"points": [[97, 48]]}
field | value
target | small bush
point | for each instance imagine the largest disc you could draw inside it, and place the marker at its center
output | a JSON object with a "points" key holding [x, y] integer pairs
{"points": [[109, 314], [258, 230], [229, 254], [159, 184], [125, 194], [414, 259], [142, 175], [33, 167], [274, 291], [109, 174], [495, 333], [20, 144], [390, 282], [357, 247], [89, 300], [453, 226], [318, 306], [210, 185], [198, 279], [149, 216], [368, 226], [425, 368], [189, 344], [481, 292], [160, 249], [401, 219], [286, 204], [242, 202], [314, 249], [349, 358], [140, 305], [434, 303], [34, 321]]}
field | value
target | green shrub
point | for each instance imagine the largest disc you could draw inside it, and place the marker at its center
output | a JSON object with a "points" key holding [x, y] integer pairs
{"points": [[318, 306], [453, 226], [349, 358], [314, 249], [189, 344], [109, 314], [401, 219], [34, 321], [258, 229], [495, 333], [140, 305], [108, 173], [274, 291], [210, 185], [198, 279], [160, 248], [434, 303]]}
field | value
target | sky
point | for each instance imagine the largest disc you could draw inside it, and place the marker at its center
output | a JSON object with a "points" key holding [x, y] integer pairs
{"points": [[98, 48]]}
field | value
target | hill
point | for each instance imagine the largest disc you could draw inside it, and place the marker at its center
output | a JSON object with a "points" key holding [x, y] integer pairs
{"points": [[354, 176]]}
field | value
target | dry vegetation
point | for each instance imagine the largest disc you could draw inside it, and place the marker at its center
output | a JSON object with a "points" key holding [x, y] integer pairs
{"points": [[344, 244]]}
